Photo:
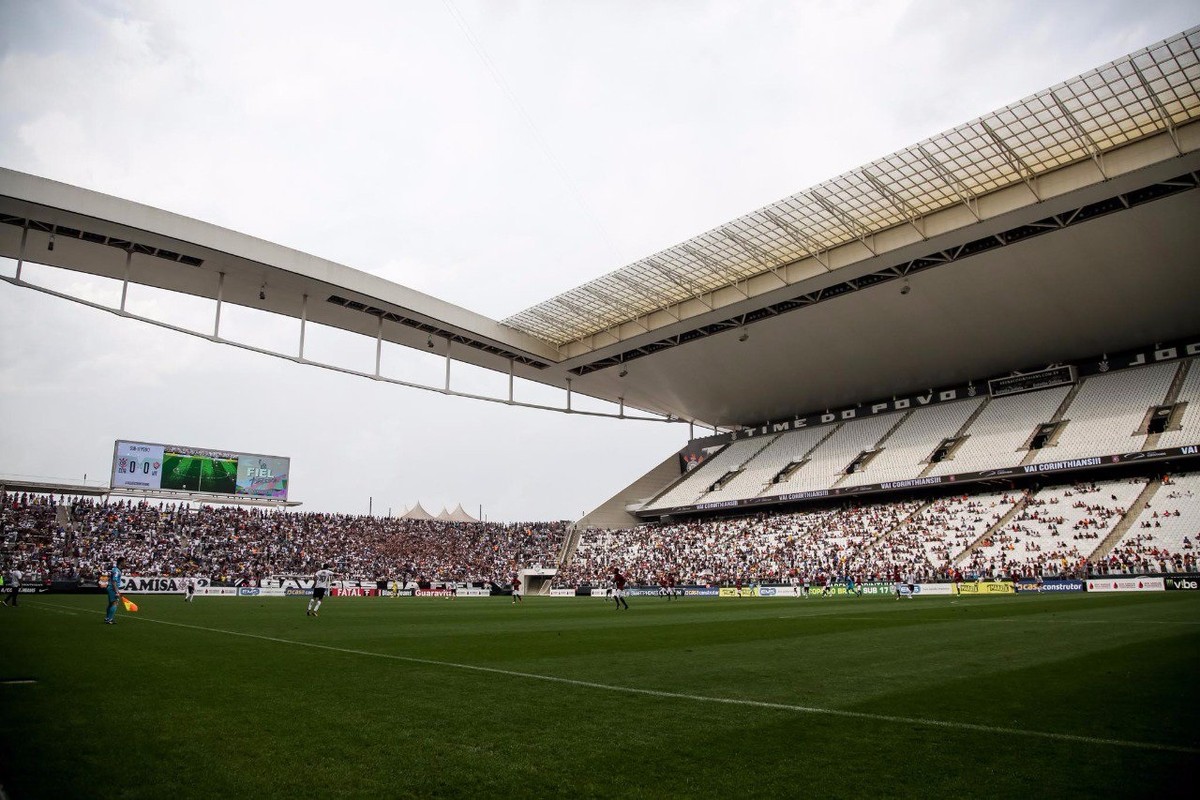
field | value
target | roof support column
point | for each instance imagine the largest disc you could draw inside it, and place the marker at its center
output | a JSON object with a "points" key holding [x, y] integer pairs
{"points": [[447, 363], [568, 394], [510, 380], [378, 345], [125, 283], [21, 256], [220, 296], [303, 324]]}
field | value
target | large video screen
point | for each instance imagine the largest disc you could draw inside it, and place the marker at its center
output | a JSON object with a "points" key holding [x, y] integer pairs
{"points": [[141, 465]]}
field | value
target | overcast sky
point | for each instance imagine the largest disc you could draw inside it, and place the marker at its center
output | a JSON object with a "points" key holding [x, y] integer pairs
{"points": [[492, 154]]}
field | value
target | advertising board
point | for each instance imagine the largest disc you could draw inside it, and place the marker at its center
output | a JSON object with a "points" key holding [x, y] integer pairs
{"points": [[1112, 584], [985, 587], [150, 466], [1057, 585]]}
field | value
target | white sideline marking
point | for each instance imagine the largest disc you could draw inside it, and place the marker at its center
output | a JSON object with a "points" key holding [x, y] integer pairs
{"points": [[54, 611], [15, 683], [733, 701]]}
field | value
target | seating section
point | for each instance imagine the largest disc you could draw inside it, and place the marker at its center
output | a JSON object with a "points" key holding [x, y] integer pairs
{"points": [[1166, 530], [1054, 534], [761, 548], [1099, 420], [697, 481], [937, 536], [1107, 411], [756, 478], [914, 441], [1189, 393], [1057, 529], [1002, 428], [835, 454]]}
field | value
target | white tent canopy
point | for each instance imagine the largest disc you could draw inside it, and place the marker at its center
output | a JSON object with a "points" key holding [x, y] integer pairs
{"points": [[459, 514], [417, 512]]}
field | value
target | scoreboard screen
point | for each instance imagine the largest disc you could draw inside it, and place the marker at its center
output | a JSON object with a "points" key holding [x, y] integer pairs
{"points": [[142, 465]]}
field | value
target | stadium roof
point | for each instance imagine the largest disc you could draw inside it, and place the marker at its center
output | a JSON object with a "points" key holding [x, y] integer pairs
{"points": [[1146, 92], [1057, 228]]}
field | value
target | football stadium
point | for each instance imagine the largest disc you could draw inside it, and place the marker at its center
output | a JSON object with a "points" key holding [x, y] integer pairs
{"points": [[933, 530]]}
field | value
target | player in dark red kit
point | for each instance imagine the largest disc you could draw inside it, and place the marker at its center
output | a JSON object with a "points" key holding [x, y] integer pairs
{"points": [[516, 590], [619, 589]]}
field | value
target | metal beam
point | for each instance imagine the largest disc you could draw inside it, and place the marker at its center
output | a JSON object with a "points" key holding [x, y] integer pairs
{"points": [[852, 225], [331, 367], [965, 196], [1015, 161], [1168, 123], [802, 239], [754, 251], [897, 202], [1082, 137]]}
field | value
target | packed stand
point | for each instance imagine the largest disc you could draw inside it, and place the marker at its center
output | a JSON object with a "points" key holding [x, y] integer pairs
{"points": [[65, 540], [765, 548]]}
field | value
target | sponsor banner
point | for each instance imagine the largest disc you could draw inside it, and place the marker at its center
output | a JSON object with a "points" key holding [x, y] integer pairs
{"points": [[434, 593], [249, 591], [1032, 381], [27, 588], [296, 591], [985, 587], [562, 592], [729, 591], [354, 591], [642, 591], [217, 591], [1112, 584], [153, 584], [934, 588], [468, 591], [598, 592], [838, 589], [1052, 586], [1182, 583], [700, 591]]}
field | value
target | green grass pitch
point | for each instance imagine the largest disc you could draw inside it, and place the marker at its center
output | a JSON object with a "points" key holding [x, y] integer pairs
{"points": [[1066, 695]]}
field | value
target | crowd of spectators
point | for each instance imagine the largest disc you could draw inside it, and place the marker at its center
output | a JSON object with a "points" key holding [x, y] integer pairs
{"points": [[1050, 534], [764, 548], [60, 539]]}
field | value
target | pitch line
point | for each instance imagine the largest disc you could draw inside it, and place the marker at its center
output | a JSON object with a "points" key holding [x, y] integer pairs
{"points": [[698, 698]]}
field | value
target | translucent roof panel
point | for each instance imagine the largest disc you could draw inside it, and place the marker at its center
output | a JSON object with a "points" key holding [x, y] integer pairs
{"points": [[1144, 93]]}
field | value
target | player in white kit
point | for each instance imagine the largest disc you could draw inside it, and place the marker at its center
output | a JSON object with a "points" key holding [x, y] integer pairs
{"points": [[321, 583]]}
